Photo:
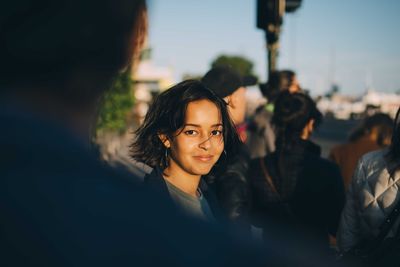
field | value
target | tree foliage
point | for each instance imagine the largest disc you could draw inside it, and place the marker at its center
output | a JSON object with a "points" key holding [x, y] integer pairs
{"points": [[241, 64], [117, 104]]}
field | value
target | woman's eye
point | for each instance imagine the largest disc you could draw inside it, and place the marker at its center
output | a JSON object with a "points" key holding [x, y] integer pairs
{"points": [[190, 132], [216, 133]]}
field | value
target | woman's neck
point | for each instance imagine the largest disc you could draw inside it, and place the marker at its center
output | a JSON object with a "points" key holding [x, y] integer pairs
{"points": [[184, 181]]}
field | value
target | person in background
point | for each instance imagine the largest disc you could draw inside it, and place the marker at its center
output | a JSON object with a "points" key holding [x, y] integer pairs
{"points": [[261, 136], [373, 133], [59, 204], [372, 195], [186, 132], [293, 187], [232, 186]]}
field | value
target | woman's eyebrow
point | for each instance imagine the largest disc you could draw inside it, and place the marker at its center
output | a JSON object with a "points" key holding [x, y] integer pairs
{"points": [[191, 124], [199, 126]]}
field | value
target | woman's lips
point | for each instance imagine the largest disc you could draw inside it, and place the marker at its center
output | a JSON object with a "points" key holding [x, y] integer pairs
{"points": [[205, 158]]}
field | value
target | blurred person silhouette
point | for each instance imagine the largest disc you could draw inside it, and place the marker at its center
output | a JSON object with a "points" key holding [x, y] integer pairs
{"points": [[261, 136], [59, 205], [232, 186], [372, 202], [186, 134], [294, 187], [371, 134]]}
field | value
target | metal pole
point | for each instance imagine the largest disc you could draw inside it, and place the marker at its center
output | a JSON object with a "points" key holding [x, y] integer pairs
{"points": [[272, 40], [272, 57]]}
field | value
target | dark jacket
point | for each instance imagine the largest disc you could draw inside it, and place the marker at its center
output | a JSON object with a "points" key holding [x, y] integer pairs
{"points": [[233, 189], [156, 181], [311, 202]]}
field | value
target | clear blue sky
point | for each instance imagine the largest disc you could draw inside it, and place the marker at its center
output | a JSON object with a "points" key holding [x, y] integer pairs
{"points": [[352, 42]]}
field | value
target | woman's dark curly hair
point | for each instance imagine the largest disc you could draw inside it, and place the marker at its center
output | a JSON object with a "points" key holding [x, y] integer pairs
{"points": [[291, 114], [167, 116]]}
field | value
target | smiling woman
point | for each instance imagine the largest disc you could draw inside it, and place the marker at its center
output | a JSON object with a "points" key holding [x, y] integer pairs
{"points": [[196, 147], [186, 134]]}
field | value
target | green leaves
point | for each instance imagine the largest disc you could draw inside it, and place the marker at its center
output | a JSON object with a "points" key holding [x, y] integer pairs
{"points": [[117, 104]]}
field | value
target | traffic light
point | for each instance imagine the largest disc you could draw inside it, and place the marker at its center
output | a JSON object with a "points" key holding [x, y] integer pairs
{"points": [[269, 19], [292, 5], [269, 12]]}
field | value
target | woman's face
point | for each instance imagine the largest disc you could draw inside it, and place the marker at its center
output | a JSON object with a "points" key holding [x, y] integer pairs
{"points": [[198, 145]]}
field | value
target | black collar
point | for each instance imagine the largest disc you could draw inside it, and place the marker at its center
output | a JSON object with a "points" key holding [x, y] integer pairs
{"points": [[156, 181]]}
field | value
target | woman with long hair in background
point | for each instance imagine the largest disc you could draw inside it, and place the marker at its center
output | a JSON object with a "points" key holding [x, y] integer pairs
{"points": [[294, 189]]}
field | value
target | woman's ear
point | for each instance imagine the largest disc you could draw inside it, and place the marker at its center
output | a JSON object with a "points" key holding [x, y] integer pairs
{"points": [[164, 139]]}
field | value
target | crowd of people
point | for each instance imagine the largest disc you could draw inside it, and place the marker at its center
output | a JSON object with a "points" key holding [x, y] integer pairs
{"points": [[218, 177]]}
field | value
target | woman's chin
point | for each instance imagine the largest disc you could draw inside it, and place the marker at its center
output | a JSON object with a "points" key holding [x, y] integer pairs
{"points": [[203, 171]]}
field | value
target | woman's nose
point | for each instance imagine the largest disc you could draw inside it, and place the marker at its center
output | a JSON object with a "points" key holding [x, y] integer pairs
{"points": [[206, 144]]}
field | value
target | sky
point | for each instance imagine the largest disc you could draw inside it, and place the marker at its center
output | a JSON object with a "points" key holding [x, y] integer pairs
{"points": [[353, 43]]}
